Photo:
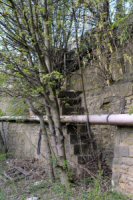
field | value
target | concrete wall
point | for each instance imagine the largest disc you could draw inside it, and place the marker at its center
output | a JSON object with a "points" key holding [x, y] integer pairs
{"points": [[22, 139]]}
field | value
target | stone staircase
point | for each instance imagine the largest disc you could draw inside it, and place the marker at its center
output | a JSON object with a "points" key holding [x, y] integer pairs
{"points": [[77, 142], [70, 103]]}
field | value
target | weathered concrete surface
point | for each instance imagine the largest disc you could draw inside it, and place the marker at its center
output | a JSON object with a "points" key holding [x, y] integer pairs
{"points": [[122, 179], [22, 140]]}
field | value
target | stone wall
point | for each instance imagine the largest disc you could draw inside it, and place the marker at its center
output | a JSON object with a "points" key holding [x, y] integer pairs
{"points": [[114, 99], [105, 98], [122, 179]]}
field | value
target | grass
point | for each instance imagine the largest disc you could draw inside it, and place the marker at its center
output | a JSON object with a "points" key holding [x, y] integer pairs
{"points": [[2, 195], [56, 191], [86, 189]]}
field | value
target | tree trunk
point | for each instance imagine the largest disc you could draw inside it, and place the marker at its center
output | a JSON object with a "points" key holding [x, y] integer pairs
{"points": [[47, 153], [62, 161], [51, 128]]}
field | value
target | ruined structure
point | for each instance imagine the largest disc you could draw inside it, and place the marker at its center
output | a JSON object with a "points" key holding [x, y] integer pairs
{"points": [[116, 142]]}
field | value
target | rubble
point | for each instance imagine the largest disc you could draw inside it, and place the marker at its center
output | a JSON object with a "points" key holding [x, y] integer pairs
{"points": [[24, 169]]}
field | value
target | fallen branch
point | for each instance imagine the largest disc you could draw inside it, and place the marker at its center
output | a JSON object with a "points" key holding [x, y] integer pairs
{"points": [[22, 171], [7, 176]]}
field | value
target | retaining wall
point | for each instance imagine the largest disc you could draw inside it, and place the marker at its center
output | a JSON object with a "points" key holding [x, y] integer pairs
{"points": [[122, 179]]}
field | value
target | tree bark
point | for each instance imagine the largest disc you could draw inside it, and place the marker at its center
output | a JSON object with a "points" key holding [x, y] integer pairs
{"points": [[51, 128], [48, 155], [62, 161]]}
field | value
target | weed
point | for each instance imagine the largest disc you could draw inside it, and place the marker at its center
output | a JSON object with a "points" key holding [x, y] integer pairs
{"points": [[3, 157], [39, 186], [2, 195], [116, 196], [62, 191], [97, 193]]}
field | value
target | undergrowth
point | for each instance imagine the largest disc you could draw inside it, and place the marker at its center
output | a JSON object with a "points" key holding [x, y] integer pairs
{"points": [[94, 191], [56, 191], [86, 189]]}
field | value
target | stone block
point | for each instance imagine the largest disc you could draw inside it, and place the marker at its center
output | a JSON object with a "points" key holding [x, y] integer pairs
{"points": [[69, 94], [124, 151], [74, 139], [72, 129], [116, 152], [78, 128], [116, 161], [115, 178], [72, 110], [123, 89], [82, 128], [121, 151], [70, 101], [84, 159], [125, 188], [116, 168], [82, 149], [79, 138], [127, 161], [129, 140], [131, 151]]}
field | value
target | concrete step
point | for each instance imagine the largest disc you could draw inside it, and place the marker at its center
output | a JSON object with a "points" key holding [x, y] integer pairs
{"points": [[69, 93], [77, 129], [82, 128], [83, 159], [70, 101], [81, 149], [79, 138], [72, 110]]}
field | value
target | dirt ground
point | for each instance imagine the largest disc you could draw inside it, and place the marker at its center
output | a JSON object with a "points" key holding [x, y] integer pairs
{"points": [[24, 179]]}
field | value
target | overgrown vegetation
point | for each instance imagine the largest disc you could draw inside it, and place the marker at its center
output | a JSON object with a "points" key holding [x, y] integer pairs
{"points": [[86, 189], [18, 107], [41, 41]]}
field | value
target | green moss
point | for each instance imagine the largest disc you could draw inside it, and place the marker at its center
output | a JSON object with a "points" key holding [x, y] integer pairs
{"points": [[1, 113]]}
